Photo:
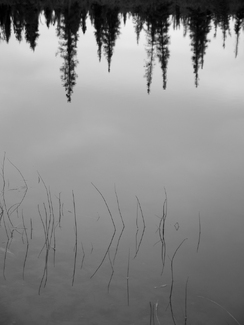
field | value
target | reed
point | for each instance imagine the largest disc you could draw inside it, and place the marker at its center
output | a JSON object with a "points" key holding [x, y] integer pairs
{"points": [[214, 302], [46, 244], [172, 282], [199, 232], [144, 227], [48, 223], [76, 236], [137, 227], [127, 280], [92, 248], [186, 289], [114, 232], [123, 226], [4, 198], [154, 313], [9, 210], [31, 228], [161, 230], [27, 246], [5, 257], [16, 206], [60, 210], [83, 256], [152, 319], [112, 273]]}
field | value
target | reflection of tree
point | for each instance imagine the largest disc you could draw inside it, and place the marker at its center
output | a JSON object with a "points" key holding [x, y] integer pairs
{"points": [[199, 25], [157, 20], [5, 22], [110, 33], [31, 17], [162, 41], [222, 18], [107, 29], [98, 20], [176, 17], [67, 31], [150, 49], [18, 21], [138, 22], [48, 14], [153, 17], [238, 25]]}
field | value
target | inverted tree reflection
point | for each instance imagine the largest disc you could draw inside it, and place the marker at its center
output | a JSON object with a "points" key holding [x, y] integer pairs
{"points": [[157, 22], [154, 18], [200, 26], [67, 31]]}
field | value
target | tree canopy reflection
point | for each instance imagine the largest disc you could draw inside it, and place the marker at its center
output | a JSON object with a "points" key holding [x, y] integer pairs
{"points": [[155, 18]]}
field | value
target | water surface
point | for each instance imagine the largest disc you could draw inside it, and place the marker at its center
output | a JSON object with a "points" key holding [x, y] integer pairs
{"points": [[148, 130]]}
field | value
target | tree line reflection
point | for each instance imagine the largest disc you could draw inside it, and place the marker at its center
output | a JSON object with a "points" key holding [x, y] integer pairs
{"points": [[155, 19]]}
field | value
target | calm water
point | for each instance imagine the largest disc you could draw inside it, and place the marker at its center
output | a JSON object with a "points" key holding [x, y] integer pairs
{"points": [[121, 149]]}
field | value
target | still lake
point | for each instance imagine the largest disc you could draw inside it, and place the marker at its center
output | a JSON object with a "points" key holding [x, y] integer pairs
{"points": [[98, 192]]}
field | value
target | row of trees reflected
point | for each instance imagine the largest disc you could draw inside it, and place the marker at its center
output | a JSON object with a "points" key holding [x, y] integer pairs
{"points": [[155, 19]]}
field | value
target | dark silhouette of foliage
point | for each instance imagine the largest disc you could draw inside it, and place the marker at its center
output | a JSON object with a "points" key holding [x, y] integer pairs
{"points": [[48, 14], [238, 25], [151, 46], [5, 22], [138, 22], [162, 40], [157, 22], [22, 18], [110, 33], [18, 21], [67, 31], [97, 15], [199, 26], [176, 17], [222, 18], [107, 29], [31, 23]]}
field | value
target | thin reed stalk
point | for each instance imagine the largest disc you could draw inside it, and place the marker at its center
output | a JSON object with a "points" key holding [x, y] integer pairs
{"points": [[27, 246], [91, 248], [114, 232], [60, 210], [83, 256], [199, 232], [186, 289], [172, 282], [48, 223], [123, 226], [15, 206], [76, 235], [127, 280], [214, 302], [137, 227], [31, 229], [144, 227], [112, 273], [4, 199], [161, 230], [152, 319], [5, 257]]}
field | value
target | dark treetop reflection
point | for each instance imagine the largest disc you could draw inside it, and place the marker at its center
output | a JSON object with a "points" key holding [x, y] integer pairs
{"points": [[155, 18]]}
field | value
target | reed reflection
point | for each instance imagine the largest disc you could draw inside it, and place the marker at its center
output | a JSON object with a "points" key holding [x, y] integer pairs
{"points": [[155, 19]]}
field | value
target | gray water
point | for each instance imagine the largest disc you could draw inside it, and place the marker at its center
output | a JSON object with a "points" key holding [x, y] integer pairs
{"points": [[183, 144]]}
